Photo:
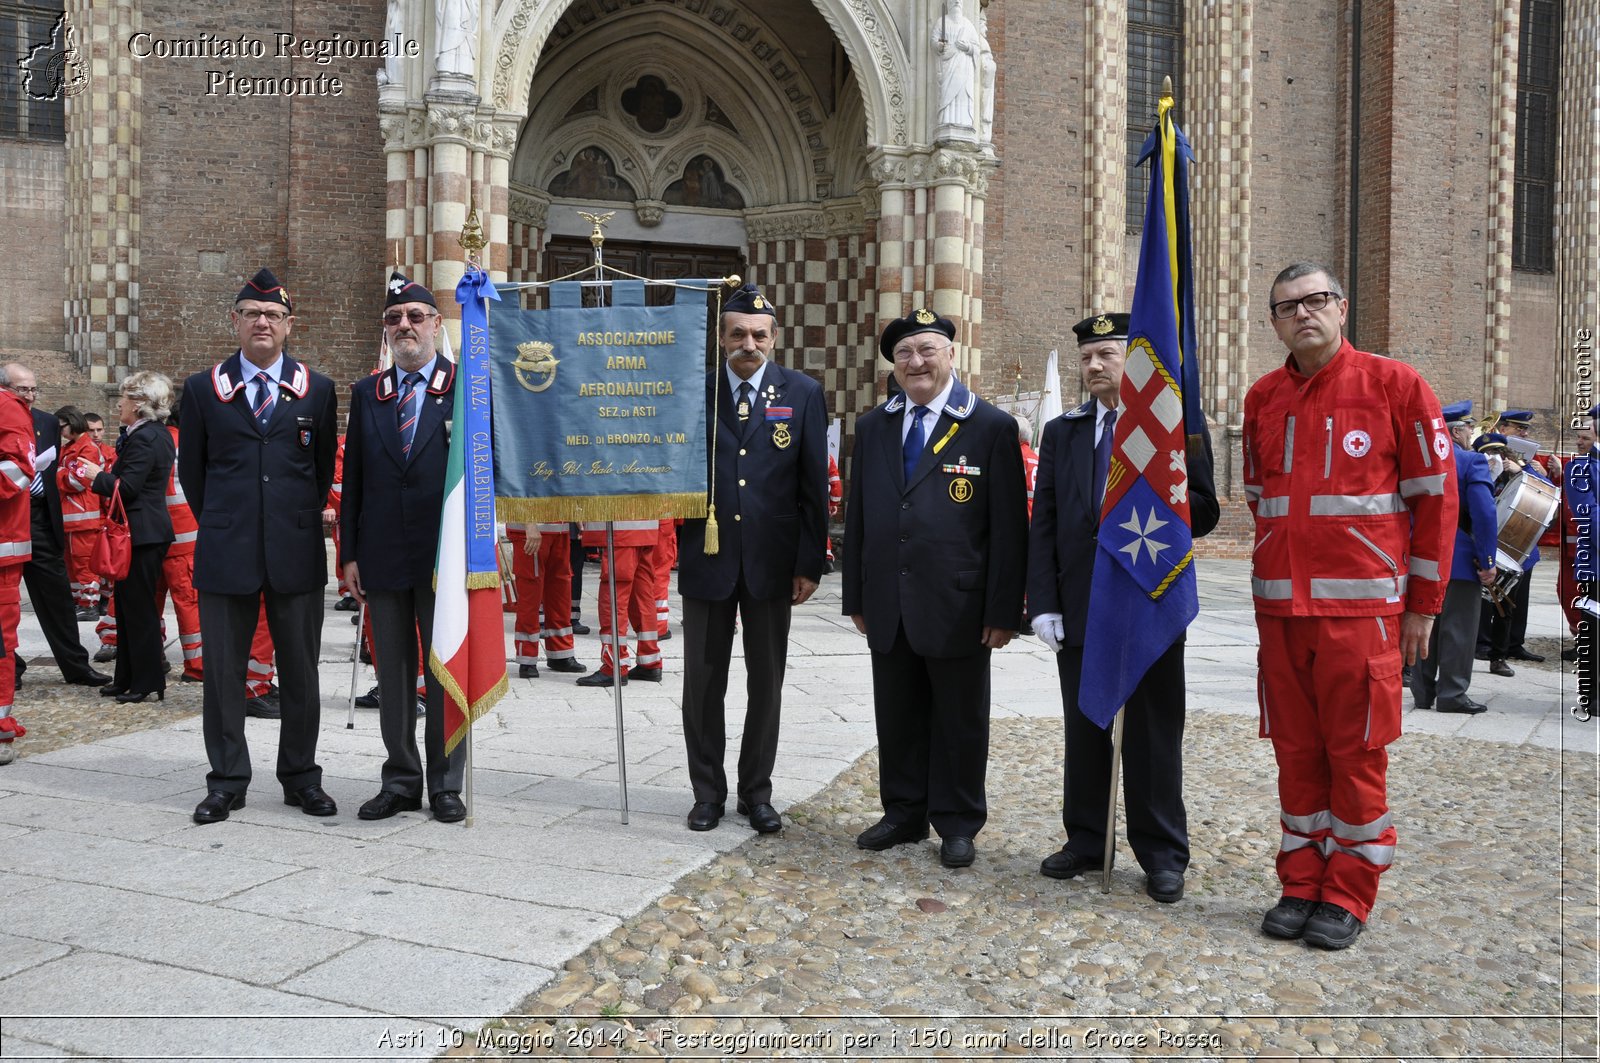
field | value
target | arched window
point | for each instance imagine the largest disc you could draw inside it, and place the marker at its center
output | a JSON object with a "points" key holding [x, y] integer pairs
{"points": [[1155, 50]]}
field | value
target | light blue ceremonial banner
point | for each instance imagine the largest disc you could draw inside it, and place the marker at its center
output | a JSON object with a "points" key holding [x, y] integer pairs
{"points": [[600, 412]]}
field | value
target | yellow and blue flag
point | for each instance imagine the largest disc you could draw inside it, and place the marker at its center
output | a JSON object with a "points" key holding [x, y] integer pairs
{"points": [[1143, 593]]}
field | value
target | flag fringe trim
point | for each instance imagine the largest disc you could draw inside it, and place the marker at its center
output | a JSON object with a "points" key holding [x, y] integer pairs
{"points": [[689, 504], [458, 697]]}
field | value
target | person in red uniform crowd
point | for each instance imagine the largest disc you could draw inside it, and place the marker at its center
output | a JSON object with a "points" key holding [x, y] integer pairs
{"points": [[16, 547], [666, 561], [177, 568], [835, 496], [1349, 474], [1030, 458], [330, 519], [80, 511], [636, 601], [542, 567]]}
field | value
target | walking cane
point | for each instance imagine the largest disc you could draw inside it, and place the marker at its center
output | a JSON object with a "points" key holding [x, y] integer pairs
{"points": [[1111, 803], [355, 664]]}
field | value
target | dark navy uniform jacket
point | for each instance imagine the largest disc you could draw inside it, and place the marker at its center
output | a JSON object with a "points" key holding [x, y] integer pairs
{"points": [[944, 555], [771, 491], [258, 495]]}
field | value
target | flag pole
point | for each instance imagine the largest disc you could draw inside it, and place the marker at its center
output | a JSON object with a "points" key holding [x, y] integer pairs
{"points": [[616, 666], [1111, 803]]}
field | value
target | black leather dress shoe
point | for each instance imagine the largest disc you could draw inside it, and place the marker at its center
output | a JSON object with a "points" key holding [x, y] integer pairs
{"points": [[448, 807], [1522, 653], [1464, 705], [885, 835], [957, 852], [369, 700], [262, 708], [1164, 886], [312, 800], [1498, 666], [527, 671], [386, 804], [1569, 654], [704, 816], [646, 675], [565, 664], [111, 690], [598, 679], [763, 817], [346, 604], [1332, 927], [216, 806], [1064, 863], [91, 678]]}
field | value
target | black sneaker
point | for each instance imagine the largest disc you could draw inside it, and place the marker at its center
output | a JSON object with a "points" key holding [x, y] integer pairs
{"points": [[369, 700], [1332, 927], [579, 627], [1288, 919], [105, 653]]}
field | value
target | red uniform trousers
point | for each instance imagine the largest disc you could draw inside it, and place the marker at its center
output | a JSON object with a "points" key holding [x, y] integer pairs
{"points": [[666, 558], [1329, 692], [260, 672], [177, 579], [544, 590], [10, 617], [80, 569], [636, 590]]}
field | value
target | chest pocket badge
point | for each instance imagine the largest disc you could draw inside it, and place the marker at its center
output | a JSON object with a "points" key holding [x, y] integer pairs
{"points": [[780, 435], [303, 432], [961, 489]]}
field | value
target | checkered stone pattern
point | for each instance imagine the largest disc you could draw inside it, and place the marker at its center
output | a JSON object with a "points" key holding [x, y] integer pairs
{"points": [[522, 251], [1105, 123], [1577, 192], [1219, 52], [1502, 172], [103, 125]]}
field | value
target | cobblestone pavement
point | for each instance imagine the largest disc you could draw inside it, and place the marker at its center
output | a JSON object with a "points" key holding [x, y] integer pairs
{"points": [[594, 939]]}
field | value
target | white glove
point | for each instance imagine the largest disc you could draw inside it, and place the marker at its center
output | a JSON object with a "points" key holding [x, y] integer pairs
{"points": [[1050, 630]]}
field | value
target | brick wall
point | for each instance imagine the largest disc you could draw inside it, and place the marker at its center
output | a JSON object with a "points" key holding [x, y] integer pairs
{"points": [[232, 184], [32, 273]]}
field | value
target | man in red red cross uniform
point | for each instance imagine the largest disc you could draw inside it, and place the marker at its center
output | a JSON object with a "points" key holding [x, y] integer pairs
{"points": [[635, 548], [16, 547], [1350, 475], [542, 566]]}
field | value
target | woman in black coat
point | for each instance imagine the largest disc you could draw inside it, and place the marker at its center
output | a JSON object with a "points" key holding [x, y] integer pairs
{"points": [[145, 453]]}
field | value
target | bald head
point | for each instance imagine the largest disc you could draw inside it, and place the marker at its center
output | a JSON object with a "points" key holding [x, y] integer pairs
{"points": [[18, 378]]}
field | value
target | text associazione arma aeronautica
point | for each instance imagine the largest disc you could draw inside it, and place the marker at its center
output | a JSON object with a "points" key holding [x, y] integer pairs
{"points": [[322, 51]]}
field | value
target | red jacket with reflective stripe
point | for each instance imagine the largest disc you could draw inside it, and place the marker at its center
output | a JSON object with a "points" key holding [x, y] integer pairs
{"points": [[185, 528], [16, 476], [1351, 478], [80, 506]]}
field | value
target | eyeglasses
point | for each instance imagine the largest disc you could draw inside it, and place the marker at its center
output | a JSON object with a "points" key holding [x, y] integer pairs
{"points": [[416, 317], [274, 317], [22, 389], [1313, 302], [926, 351]]}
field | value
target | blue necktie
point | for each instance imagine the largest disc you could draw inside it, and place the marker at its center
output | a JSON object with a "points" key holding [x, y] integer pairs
{"points": [[915, 439], [1102, 456], [265, 400], [410, 407]]}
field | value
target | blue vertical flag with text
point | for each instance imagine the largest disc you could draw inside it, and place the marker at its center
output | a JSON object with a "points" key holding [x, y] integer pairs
{"points": [[1143, 592]]}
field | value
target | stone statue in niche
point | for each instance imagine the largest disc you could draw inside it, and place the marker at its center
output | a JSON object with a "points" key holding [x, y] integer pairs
{"points": [[703, 185], [651, 103], [986, 72], [394, 28], [957, 44], [592, 175], [456, 29]]}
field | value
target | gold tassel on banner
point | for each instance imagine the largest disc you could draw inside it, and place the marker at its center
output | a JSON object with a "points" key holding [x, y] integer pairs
{"points": [[713, 540]]}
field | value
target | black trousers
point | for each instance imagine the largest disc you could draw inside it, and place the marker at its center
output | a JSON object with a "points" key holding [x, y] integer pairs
{"points": [[139, 653], [51, 594], [1502, 634], [1152, 766], [229, 623], [708, 651], [397, 619], [933, 737], [578, 556]]}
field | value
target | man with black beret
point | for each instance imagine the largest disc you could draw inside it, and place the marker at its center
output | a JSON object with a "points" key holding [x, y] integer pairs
{"points": [[395, 456], [256, 443], [1074, 458], [769, 425], [936, 536]]}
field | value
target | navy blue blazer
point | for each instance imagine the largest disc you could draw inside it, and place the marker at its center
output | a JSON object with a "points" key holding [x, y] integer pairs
{"points": [[47, 434], [144, 464], [1066, 523], [258, 495], [389, 519], [945, 555], [771, 491]]}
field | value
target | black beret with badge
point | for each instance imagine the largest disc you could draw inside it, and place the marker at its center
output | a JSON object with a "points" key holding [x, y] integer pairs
{"points": [[918, 321], [403, 289], [1101, 327], [747, 299], [264, 287]]}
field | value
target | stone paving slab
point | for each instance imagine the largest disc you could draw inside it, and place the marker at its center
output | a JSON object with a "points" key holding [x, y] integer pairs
{"points": [[143, 867]]}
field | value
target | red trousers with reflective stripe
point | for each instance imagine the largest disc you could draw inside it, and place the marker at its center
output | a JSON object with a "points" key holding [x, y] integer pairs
{"points": [[1329, 690], [177, 578], [10, 617], [636, 601], [544, 579], [259, 673], [80, 568], [666, 557]]}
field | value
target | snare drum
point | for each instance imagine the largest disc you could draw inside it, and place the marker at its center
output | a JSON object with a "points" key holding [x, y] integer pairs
{"points": [[1526, 507]]}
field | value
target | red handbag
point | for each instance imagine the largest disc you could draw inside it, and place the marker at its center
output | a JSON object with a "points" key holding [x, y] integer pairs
{"points": [[113, 551]]}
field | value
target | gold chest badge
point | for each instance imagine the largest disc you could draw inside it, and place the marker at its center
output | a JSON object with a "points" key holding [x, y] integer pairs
{"points": [[780, 435], [961, 489]]}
